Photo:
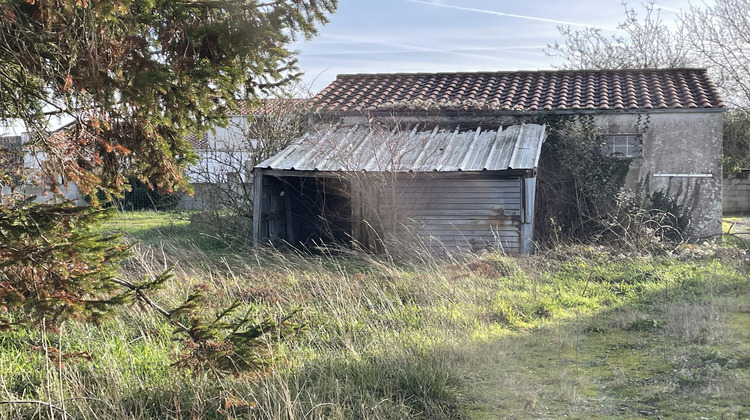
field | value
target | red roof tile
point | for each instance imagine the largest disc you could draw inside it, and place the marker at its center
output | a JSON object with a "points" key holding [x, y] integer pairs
{"points": [[522, 91], [64, 135], [268, 106], [199, 143]]}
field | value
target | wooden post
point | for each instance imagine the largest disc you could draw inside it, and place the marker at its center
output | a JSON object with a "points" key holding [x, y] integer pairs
{"points": [[288, 216], [257, 205], [527, 214]]}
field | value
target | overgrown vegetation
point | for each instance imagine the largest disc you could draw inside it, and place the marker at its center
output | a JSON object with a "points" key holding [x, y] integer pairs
{"points": [[578, 185], [136, 79], [54, 269], [577, 331], [51, 267], [736, 140], [581, 196]]}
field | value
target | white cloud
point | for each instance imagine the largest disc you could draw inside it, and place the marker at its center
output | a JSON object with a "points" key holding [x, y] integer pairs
{"points": [[397, 47], [669, 9], [492, 12]]}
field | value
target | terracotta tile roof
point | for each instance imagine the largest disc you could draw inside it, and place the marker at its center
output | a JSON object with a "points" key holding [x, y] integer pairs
{"points": [[64, 135], [272, 106], [198, 143], [269, 106], [522, 91]]}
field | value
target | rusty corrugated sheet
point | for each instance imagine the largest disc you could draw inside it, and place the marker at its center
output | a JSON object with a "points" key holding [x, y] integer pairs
{"points": [[468, 212], [378, 149]]}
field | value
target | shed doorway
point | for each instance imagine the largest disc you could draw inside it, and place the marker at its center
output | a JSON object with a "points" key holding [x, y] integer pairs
{"points": [[306, 211]]}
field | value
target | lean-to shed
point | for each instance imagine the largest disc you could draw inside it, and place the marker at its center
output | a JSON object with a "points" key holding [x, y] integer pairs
{"points": [[450, 188], [447, 157]]}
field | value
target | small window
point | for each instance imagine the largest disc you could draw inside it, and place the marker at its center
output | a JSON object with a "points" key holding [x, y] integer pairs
{"points": [[628, 145], [233, 177]]}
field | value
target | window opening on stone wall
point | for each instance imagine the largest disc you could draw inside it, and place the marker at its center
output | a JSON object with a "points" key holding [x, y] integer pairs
{"points": [[622, 145]]}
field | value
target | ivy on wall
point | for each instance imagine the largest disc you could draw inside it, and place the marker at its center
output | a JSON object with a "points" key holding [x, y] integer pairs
{"points": [[577, 185], [580, 195]]}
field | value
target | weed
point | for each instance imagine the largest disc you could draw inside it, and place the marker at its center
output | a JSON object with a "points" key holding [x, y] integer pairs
{"points": [[583, 332]]}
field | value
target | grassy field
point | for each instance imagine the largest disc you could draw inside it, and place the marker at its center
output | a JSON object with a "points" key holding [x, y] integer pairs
{"points": [[577, 332]]}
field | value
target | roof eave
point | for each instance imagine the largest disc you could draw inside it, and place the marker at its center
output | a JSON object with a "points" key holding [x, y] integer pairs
{"points": [[493, 113], [544, 71]]}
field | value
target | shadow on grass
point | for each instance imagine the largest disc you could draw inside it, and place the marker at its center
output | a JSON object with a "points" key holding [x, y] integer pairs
{"points": [[680, 351]]}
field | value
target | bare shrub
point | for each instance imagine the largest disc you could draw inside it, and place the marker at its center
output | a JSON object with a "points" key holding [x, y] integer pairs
{"points": [[718, 35], [736, 140], [223, 178], [644, 222], [642, 42], [581, 196]]}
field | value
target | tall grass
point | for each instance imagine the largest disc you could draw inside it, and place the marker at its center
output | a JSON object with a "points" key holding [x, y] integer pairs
{"points": [[582, 332]]}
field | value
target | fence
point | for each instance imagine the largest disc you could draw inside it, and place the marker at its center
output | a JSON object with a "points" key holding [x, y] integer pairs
{"points": [[736, 197]]}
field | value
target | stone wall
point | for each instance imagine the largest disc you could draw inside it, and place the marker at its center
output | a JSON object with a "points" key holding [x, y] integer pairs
{"points": [[682, 157], [736, 197]]}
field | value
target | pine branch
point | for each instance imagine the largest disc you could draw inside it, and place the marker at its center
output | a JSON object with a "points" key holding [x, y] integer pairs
{"points": [[142, 297]]}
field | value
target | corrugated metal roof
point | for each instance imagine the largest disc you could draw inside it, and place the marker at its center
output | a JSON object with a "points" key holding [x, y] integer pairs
{"points": [[378, 149]]}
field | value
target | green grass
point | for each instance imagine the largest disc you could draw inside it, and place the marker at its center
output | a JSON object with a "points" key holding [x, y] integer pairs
{"points": [[578, 332], [736, 229], [156, 228], [146, 224], [672, 342]]}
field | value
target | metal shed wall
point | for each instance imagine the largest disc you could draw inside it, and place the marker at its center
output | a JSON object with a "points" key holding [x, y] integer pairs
{"points": [[447, 188], [470, 212]]}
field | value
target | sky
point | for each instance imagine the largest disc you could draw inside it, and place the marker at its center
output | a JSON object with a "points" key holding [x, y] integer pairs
{"points": [[393, 36]]}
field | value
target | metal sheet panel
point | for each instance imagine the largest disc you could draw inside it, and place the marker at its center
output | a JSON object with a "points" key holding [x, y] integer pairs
{"points": [[379, 149], [468, 213]]}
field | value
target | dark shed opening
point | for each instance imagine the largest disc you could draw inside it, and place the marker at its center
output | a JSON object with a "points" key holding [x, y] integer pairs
{"points": [[304, 211]]}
